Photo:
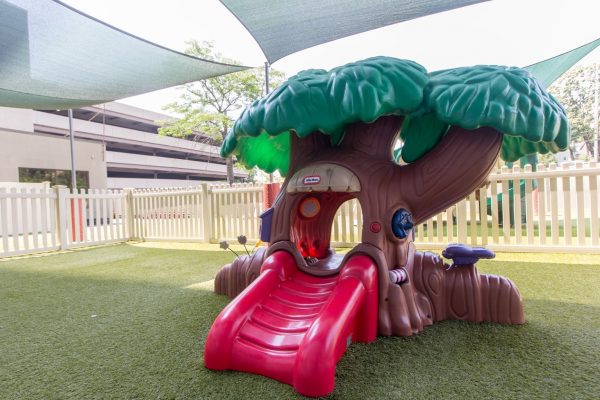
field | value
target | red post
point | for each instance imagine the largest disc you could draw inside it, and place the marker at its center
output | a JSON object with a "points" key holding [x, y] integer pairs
{"points": [[79, 217], [270, 191]]}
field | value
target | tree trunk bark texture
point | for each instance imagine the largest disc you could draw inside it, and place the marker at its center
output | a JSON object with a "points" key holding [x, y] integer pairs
{"points": [[435, 292], [459, 164], [235, 277]]}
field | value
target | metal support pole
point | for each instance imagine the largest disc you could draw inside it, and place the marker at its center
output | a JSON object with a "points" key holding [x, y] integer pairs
{"points": [[596, 117], [267, 92], [72, 140], [267, 77]]}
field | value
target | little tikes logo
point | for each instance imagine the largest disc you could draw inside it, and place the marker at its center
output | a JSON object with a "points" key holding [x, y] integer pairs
{"points": [[311, 180]]}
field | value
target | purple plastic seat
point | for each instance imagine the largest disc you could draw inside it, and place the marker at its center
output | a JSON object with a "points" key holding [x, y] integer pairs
{"points": [[463, 255]]}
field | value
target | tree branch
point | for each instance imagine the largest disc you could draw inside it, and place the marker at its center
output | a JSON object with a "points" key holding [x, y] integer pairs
{"points": [[459, 164]]}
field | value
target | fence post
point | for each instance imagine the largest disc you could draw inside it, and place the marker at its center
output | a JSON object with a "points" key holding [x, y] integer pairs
{"points": [[207, 213], [129, 212], [61, 215]]}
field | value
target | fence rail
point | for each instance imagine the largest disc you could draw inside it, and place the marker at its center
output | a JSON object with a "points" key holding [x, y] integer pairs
{"points": [[177, 214], [551, 209], [27, 220], [93, 217], [236, 211]]}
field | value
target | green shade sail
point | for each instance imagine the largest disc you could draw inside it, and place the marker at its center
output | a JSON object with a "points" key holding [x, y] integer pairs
{"points": [[54, 57], [508, 99], [284, 27], [549, 70]]}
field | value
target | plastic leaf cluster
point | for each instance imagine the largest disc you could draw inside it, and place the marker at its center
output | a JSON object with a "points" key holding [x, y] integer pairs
{"points": [[325, 101], [507, 99]]}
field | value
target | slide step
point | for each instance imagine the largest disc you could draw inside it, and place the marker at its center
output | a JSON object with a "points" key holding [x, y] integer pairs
{"points": [[276, 322], [294, 298], [289, 311], [308, 291], [250, 357], [313, 284], [269, 338]]}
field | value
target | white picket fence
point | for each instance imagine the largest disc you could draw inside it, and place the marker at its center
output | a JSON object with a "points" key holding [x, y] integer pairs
{"points": [[346, 229], [561, 215], [236, 211], [169, 214], [39, 219], [27, 220], [206, 213], [92, 217]]}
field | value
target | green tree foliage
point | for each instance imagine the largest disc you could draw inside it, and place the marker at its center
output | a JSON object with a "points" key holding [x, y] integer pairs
{"points": [[576, 90], [507, 99], [209, 107], [54, 176]]}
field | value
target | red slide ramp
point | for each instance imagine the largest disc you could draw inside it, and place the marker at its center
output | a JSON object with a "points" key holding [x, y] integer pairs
{"points": [[294, 327]]}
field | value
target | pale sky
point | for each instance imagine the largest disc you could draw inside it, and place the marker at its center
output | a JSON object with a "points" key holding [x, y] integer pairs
{"points": [[505, 32]]}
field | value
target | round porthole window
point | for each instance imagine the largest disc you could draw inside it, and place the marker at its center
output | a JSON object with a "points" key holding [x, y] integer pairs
{"points": [[310, 207], [402, 223]]}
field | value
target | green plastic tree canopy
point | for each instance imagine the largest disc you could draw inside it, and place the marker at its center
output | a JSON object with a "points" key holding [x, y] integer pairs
{"points": [[54, 57], [508, 99]]}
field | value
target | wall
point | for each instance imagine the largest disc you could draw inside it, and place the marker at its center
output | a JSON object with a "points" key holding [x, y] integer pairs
{"points": [[23, 149], [92, 130], [143, 162], [16, 123], [17, 119]]}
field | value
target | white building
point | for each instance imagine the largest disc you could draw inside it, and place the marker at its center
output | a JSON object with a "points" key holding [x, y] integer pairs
{"points": [[116, 146]]}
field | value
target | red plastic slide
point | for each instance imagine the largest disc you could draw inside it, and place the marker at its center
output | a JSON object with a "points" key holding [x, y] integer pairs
{"points": [[295, 327]]}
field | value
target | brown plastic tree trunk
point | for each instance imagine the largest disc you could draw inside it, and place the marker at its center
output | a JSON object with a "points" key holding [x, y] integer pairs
{"points": [[459, 164]]}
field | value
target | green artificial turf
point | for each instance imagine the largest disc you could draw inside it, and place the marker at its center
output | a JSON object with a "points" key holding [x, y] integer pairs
{"points": [[129, 322]]}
